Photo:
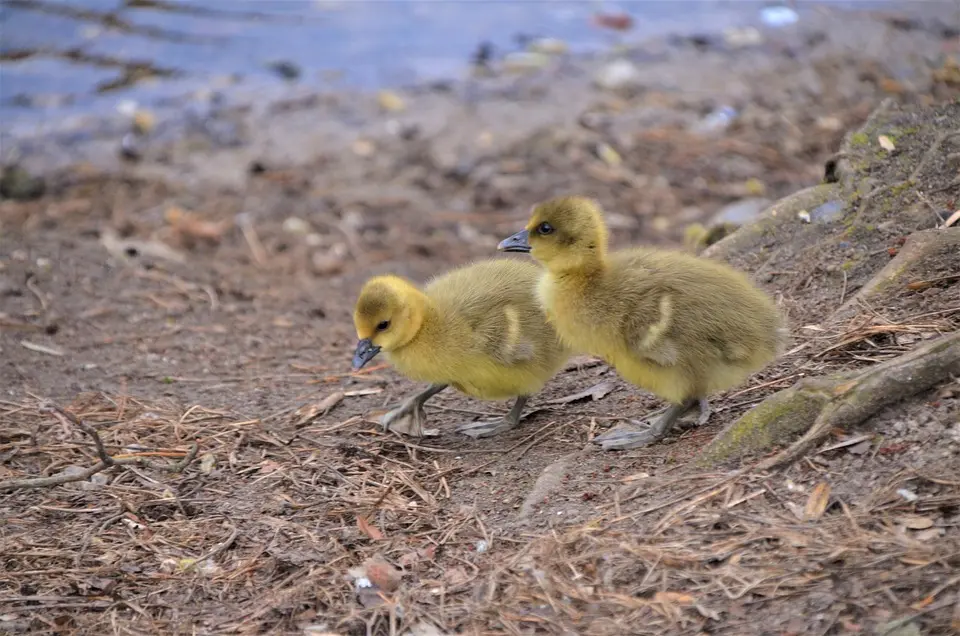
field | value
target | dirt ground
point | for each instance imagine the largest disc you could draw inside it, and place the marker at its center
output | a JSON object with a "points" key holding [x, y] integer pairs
{"points": [[201, 299]]}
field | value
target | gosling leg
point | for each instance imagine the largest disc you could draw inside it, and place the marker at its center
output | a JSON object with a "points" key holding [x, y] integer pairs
{"points": [[624, 439], [410, 416], [489, 428], [705, 411]]}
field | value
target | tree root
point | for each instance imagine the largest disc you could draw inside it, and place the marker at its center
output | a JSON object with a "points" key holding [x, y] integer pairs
{"points": [[820, 405]]}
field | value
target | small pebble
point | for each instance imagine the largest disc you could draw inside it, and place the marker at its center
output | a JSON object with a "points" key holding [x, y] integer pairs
{"points": [[617, 75], [778, 16], [909, 495]]}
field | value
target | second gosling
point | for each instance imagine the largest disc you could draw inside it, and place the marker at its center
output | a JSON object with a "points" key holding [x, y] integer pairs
{"points": [[679, 326], [477, 328]]}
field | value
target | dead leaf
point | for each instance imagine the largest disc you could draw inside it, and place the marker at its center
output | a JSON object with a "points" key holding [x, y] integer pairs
{"points": [[886, 143], [860, 449], [371, 531], [595, 392], [795, 509], [794, 539], [412, 558], [817, 502], [673, 598], [268, 466], [124, 249], [456, 576], [924, 602], [917, 522], [382, 574], [190, 225], [208, 462], [928, 535], [308, 412]]}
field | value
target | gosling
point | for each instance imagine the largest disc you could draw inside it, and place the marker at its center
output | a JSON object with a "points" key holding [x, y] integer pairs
{"points": [[478, 328], [679, 326]]}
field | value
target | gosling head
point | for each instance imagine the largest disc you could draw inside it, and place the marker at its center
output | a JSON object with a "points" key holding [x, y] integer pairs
{"points": [[388, 315], [562, 233]]}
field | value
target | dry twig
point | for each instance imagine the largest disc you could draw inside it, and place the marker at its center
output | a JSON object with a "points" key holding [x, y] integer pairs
{"points": [[105, 459]]}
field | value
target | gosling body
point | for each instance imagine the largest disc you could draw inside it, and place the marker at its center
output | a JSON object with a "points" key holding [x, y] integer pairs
{"points": [[679, 326], [478, 328]]}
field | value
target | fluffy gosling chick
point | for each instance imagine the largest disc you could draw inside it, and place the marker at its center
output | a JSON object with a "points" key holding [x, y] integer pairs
{"points": [[478, 328], [679, 326]]}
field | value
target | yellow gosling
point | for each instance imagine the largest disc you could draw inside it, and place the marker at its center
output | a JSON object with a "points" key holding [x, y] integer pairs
{"points": [[478, 328], [679, 326]]}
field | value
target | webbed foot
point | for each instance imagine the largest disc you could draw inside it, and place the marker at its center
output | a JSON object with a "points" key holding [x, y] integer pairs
{"points": [[629, 438], [626, 438], [409, 418], [489, 428], [486, 428]]}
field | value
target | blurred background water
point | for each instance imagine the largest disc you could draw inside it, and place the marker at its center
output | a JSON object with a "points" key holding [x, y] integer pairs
{"points": [[67, 57]]}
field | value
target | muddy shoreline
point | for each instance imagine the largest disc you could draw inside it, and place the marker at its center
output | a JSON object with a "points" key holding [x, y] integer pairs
{"points": [[663, 82]]}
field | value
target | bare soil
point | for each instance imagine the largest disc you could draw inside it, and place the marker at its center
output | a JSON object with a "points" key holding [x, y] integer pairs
{"points": [[238, 347]]}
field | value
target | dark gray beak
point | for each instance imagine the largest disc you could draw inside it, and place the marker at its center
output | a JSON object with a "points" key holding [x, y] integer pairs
{"points": [[365, 352], [519, 242]]}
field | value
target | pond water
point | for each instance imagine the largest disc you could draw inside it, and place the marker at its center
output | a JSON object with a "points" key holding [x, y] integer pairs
{"points": [[68, 57]]}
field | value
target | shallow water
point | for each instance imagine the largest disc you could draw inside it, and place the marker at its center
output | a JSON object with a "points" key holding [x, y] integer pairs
{"points": [[85, 56]]}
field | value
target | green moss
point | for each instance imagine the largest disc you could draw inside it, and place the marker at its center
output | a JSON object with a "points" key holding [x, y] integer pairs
{"points": [[848, 265], [900, 188], [905, 132], [859, 139], [890, 278], [771, 422]]}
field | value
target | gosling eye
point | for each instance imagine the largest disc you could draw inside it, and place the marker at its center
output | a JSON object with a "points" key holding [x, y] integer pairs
{"points": [[383, 325], [544, 228]]}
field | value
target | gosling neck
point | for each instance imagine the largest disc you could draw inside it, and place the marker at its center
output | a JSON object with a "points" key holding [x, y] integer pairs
{"points": [[586, 263], [419, 310]]}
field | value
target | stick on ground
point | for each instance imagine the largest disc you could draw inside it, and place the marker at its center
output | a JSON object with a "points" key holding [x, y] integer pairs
{"points": [[106, 460]]}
